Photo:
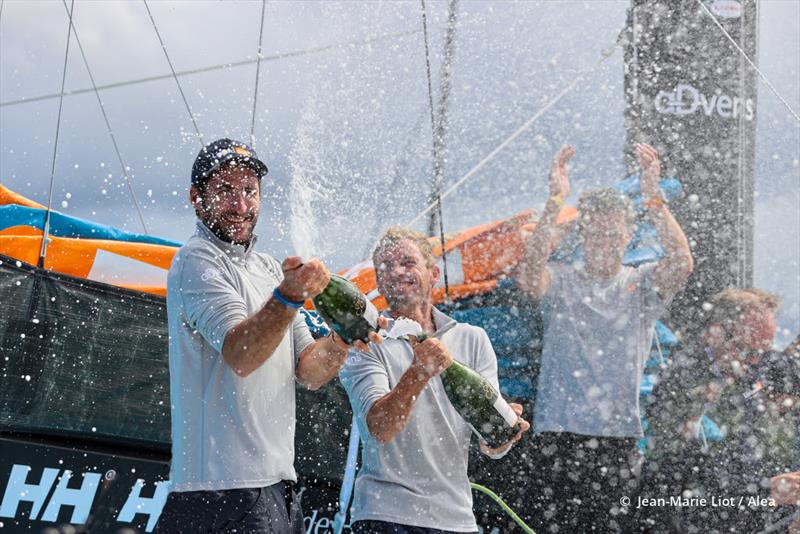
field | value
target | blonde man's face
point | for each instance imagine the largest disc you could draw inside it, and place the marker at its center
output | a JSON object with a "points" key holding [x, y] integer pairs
{"points": [[403, 274]]}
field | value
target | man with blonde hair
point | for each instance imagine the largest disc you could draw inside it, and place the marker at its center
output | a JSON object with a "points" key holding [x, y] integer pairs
{"points": [[413, 476]]}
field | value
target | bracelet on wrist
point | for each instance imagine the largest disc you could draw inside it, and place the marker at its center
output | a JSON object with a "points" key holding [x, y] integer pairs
{"points": [[296, 304], [654, 202], [558, 199]]}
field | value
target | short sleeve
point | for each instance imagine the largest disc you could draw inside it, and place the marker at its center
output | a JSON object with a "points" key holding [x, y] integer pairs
{"points": [[486, 359], [301, 335], [210, 301], [366, 380]]}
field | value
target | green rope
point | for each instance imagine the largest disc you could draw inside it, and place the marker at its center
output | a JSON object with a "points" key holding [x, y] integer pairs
{"points": [[506, 508]]}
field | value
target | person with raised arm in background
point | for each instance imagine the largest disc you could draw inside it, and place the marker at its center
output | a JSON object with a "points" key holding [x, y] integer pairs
{"points": [[599, 322]]}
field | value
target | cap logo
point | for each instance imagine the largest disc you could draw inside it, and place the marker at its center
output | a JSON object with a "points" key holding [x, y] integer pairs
{"points": [[242, 151]]}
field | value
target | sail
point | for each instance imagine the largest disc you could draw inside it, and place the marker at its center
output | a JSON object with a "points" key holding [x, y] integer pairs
{"points": [[82, 248]]}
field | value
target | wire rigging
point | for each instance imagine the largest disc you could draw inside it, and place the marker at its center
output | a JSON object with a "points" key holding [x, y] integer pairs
{"points": [[750, 61], [188, 72], [437, 136], [46, 229], [174, 75], [527, 124], [125, 174], [258, 69]]}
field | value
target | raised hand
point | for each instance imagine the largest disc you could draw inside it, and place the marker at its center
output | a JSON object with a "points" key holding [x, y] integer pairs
{"points": [[303, 281], [651, 170], [559, 173]]}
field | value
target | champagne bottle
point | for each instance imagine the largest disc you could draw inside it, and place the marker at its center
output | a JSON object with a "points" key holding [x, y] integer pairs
{"points": [[483, 408], [346, 310]]}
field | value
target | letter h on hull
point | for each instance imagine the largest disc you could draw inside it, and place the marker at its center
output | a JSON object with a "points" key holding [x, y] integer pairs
{"points": [[19, 490]]}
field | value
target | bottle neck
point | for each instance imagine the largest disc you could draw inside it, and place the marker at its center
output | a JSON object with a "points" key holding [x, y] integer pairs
{"points": [[422, 313]]}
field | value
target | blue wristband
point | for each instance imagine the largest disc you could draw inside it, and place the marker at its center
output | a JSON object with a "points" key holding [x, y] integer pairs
{"points": [[296, 304]]}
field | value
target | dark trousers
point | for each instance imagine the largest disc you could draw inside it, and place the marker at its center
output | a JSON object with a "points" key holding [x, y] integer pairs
{"points": [[575, 483], [384, 527], [274, 509]]}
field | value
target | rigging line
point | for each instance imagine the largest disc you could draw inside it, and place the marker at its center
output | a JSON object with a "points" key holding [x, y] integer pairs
{"points": [[437, 135], [282, 55], [1, 10], [46, 228], [125, 175], [506, 508], [172, 69], [499, 148], [258, 69], [750, 61]]}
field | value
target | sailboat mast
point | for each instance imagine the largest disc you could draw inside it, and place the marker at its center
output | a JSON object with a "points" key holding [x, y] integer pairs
{"points": [[692, 94]]}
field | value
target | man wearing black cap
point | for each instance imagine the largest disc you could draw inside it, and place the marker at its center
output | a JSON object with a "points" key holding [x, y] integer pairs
{"points": [[236, 347]]}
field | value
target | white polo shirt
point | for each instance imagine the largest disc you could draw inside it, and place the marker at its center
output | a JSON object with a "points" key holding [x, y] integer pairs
{"points": [[420, 477], [228, 432], [597, 335]]}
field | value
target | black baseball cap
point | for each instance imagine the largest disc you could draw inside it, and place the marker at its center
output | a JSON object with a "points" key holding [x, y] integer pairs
{"points": [[216, 154]]}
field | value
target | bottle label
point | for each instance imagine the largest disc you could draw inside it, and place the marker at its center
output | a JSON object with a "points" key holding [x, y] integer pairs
{"points": [[505, 411], [371, 313]]}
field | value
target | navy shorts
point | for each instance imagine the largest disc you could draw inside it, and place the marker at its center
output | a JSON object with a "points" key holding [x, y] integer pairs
{"points": [[274, 509], [385, 527]]}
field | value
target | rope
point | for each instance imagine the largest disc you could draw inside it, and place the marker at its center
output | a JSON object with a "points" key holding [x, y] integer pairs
{"points": [[348, 481], [108, 125], [172, 69], [258, 69], [605, 55], [296, 53], [506, 508], [46, 229], [437, 139], [663, 361], [750, 61]]}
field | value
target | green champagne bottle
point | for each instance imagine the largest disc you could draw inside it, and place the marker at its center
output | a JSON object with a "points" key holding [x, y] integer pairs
{"points": [[346, 310], [479, 403]]}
